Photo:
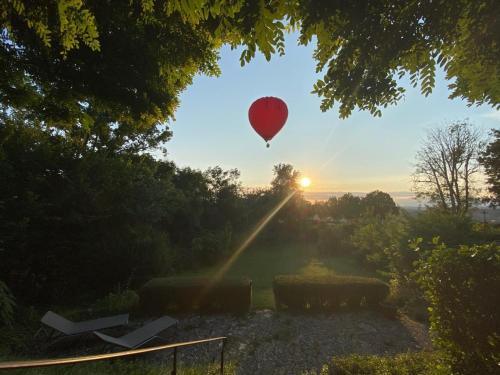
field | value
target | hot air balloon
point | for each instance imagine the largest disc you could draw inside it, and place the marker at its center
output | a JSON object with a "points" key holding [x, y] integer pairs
{"points": [[267, 116]]}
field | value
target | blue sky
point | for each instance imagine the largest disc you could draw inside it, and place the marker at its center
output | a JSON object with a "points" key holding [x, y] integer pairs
{"points": [[361, 153]]}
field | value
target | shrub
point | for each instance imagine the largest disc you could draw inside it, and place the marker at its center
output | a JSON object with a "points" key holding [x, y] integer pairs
{"points": [[210, 246], [18, 337], [182, 294], [406, 293], [453, 229], [485, 232], [411, 363], [373, 239], [297, 292], [7, 305], [462, 286], [334, 239], [120, 302]]}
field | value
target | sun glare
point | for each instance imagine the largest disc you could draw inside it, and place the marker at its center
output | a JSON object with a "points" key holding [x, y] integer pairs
{"points": [[305, 182]]}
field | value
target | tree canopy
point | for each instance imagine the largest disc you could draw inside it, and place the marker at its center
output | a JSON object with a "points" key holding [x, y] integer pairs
{"points": [[491, 162], [379, 204], [109, 74]]}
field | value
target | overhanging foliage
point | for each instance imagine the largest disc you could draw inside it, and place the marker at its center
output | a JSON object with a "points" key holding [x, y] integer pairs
{"points": [[115, 70]]}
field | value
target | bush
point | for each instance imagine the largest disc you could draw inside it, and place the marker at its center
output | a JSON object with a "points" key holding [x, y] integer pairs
{"points": [[406, 293], [7, 305], [182, 294], [64, 218], [210, 246], [119, 302], [485, 232], [375, 236], [295, 292], [451, 228], [411, 363], [18, 337], [462, 286], [334, 239]]}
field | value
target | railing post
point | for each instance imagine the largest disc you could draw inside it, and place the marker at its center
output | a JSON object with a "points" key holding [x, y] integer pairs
{"points": [[174, 369], [222, 357]]}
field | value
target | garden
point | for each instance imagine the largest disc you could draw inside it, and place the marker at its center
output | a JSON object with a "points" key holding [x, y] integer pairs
{"points": [[159, 163]]}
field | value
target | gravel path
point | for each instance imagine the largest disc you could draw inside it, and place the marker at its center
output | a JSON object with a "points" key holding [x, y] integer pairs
{"points": [[266, 342]]}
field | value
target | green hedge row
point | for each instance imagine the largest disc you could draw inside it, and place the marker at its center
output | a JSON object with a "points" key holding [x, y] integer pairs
{"points": [[182, 294], [299, 293]]}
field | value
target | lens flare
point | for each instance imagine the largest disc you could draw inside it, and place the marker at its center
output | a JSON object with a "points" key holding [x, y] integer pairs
{"points": [[258, 228], [305, 182]]}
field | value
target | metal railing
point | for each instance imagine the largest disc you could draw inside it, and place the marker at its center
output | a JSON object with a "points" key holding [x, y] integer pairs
{"points": [[99, 357]]}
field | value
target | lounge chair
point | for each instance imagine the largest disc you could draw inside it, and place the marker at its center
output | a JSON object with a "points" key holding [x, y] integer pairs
{"points": [[141, 335], [66, 327]]}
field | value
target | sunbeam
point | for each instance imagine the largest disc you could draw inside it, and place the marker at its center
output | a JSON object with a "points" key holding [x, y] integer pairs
{"points": [[258, 228]]}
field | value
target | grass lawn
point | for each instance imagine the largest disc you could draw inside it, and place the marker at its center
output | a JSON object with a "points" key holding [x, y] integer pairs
{"points": [[261, 263]]}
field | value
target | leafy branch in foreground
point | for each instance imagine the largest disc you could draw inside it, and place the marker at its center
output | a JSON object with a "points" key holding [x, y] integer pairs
{"points": [[105, 68]]}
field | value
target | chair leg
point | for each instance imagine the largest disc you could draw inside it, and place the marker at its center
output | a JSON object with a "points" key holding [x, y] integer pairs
{"points": [[38, 333], [44, 332], [41, 339]]}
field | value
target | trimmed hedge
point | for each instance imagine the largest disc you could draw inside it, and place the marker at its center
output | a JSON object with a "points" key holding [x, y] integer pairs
{"points": [[183, 294], [299, 293]]}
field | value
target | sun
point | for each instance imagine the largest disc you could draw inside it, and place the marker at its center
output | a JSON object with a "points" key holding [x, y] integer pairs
{"points": [[305, 182]]}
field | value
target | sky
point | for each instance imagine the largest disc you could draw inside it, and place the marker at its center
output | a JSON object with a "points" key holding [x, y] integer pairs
{"points": [[358, 154]]}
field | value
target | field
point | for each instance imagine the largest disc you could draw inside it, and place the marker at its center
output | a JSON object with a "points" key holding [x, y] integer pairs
{"points": [[261, 263]]}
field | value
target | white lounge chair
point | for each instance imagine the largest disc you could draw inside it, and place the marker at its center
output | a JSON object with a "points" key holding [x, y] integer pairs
{"points": [[141, 335], [66, 327]]}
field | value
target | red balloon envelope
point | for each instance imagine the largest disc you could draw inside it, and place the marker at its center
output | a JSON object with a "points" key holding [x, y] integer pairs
{"points": [[267, 116]]}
